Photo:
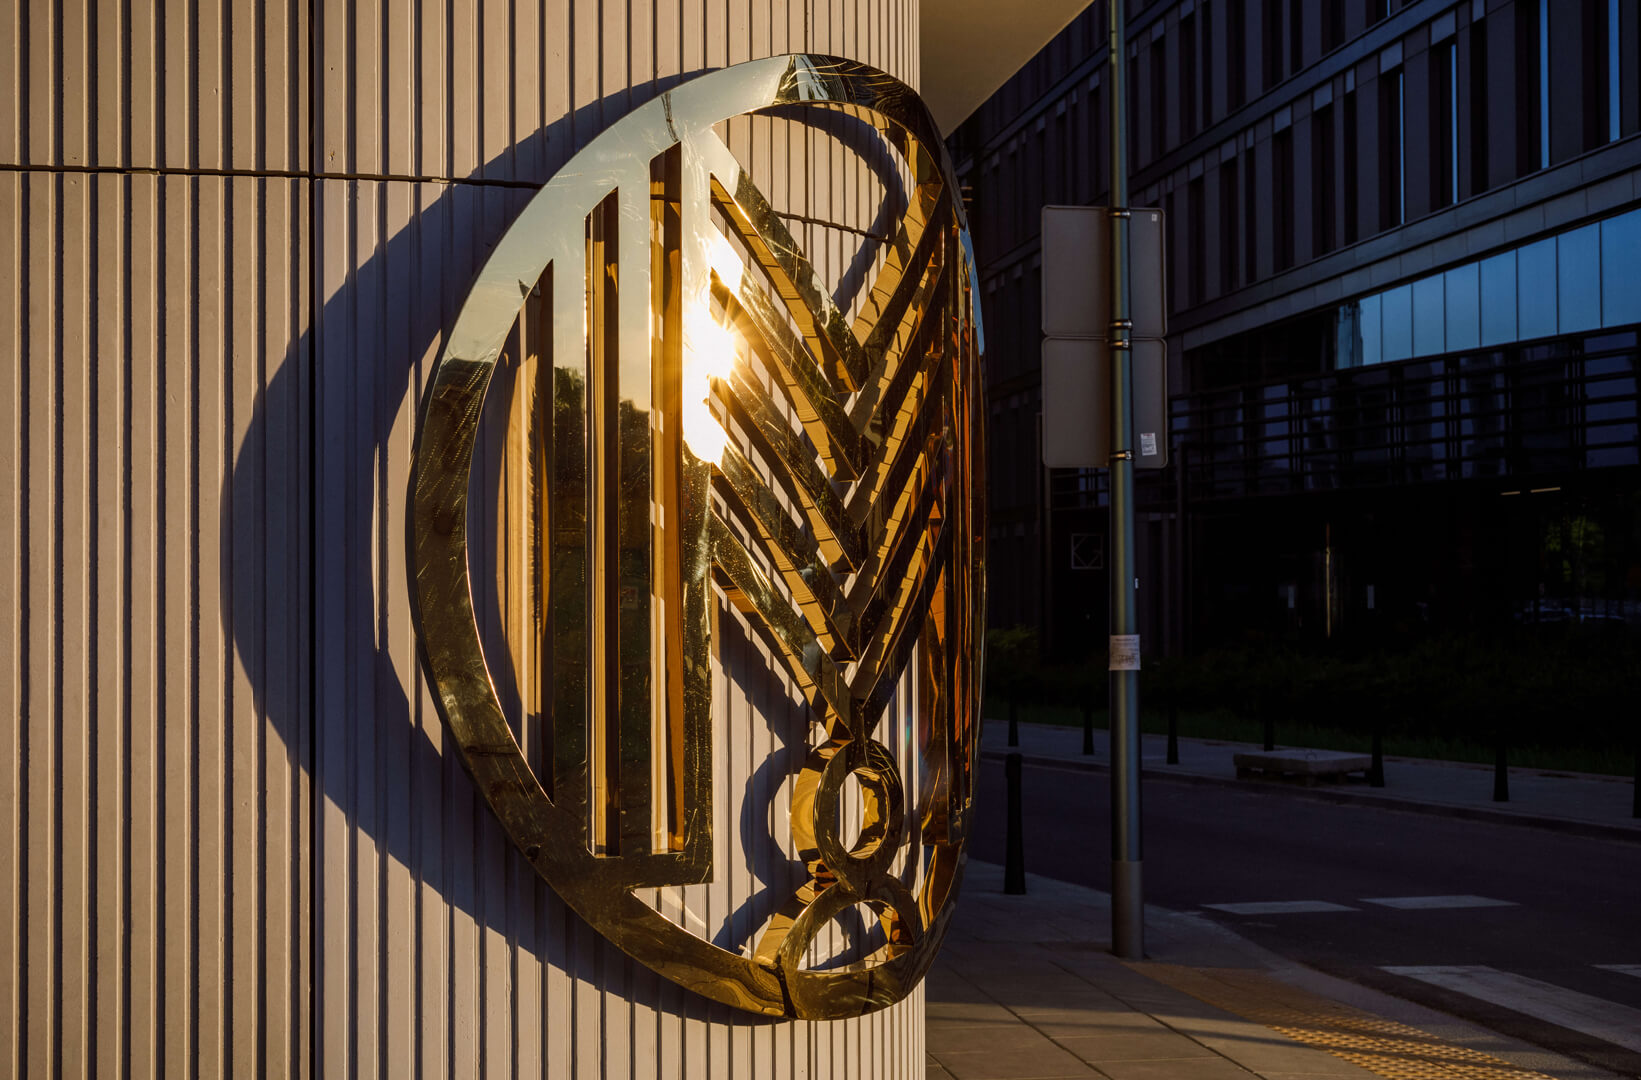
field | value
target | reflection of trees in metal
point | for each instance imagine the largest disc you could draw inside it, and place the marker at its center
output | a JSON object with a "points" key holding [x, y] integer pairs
{"points": [[718, 422]]}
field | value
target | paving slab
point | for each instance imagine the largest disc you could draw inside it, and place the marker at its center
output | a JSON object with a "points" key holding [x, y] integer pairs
{"points": [[1205, 1006], [1159, 1045]]}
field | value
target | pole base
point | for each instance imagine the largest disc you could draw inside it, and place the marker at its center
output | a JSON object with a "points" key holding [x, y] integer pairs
{"points": [[1014, 858], [1127, 910]]}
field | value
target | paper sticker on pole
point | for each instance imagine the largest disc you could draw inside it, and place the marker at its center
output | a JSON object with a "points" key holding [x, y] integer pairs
{"points": [[1125, 653]]}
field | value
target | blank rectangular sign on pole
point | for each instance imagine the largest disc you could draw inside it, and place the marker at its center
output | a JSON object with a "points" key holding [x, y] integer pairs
{"points": [[1077, 404], [1076, 276], [1150, 404], [1077, 272], [1076, 269]]}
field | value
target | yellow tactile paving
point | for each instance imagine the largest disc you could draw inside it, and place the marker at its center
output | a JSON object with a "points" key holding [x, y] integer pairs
{"points": [[1393, 1050]]}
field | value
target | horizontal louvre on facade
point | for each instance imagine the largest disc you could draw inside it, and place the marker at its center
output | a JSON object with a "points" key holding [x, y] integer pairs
{"points": [[235, 839]]}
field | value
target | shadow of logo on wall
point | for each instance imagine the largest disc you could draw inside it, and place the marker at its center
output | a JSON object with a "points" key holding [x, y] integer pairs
{"points": [[401, 847]]}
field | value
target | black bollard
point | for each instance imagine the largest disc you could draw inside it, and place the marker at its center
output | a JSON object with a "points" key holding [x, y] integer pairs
{"points": [[1173, 731], [1501, 775], [1014, 723], [1270, 732], [1635, 809], [1014, 859], [1376, 775], [1088, 728]]}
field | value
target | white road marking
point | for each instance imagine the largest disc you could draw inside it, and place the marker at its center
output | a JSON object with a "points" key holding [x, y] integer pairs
{"points": [[1279, 907], [1622, 969], [1605, 1020], [1428, 903]]}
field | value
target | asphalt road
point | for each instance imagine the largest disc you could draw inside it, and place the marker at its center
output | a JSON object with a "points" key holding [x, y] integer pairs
{"points": [[1565, 904]]}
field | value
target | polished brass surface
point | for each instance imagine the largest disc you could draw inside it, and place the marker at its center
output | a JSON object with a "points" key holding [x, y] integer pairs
{"points": [[708, 422]]}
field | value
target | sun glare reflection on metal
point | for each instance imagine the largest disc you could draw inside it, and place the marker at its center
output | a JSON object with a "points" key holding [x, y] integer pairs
{"points": [[709, 352]]}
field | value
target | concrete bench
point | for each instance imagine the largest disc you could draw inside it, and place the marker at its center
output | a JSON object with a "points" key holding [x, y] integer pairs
{"points": [[1305, 765]]}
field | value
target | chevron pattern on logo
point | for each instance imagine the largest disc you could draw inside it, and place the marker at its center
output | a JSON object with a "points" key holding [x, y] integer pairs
{"points": [[840, 547], [708, 422]]}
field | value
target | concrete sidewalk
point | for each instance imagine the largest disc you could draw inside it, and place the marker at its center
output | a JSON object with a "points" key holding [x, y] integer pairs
{"points": [[1025, 987], [1569, 802]]}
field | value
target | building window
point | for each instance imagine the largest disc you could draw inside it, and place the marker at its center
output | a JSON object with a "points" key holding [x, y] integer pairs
{"points": [[1498, 299], [1544, 84], [1228, 214], [1187, 77], [1159, 99], [1196, 269], [1282, 196], [1392, 150], [1062, 149], [1396, 335], [1352, 191], [1271, 52], [1575, 281], [1615, 81], [1478, 108], [1578, 280], [1133, 110], [1250, 218], [1099, 144], [1322, 197], [1429, 317], [1444, 126], [1461, 295], [1206, 21], [1600, 57], [1170, 265], [1236, 18], [1296, 35], [1621, 263], [1333, 24], [1536, 289], [1532, 87]]}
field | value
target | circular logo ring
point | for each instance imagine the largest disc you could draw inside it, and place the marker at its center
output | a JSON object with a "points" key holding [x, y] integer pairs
{"points": [[720, 431]]}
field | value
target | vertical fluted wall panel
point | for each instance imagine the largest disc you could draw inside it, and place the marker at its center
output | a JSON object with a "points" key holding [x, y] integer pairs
{"points": [[508, 90], [219, 85], [156, 792], [231, 837]]}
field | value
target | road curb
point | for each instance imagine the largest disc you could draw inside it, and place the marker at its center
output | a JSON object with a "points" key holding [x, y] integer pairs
{"points": [[1567, 826]]}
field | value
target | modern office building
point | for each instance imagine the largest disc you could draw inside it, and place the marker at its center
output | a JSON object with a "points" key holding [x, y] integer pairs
{"points": [[1404, 286]]}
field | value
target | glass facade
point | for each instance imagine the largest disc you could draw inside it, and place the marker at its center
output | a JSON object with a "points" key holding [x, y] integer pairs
{"points": [[1542, 409], [1580, 280]]}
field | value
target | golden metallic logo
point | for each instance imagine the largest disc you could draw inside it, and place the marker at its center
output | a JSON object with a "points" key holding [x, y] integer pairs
{"points": [[711, 430]]}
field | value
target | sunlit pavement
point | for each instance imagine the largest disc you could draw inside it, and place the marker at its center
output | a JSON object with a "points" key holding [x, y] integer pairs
{"points": [[1026, 988]]}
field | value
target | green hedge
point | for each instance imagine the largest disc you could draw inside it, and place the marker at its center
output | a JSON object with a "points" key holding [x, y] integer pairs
{"points": [[1551, 685]]}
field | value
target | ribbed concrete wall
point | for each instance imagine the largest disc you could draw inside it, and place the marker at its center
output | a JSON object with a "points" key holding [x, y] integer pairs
{"points": [[232, 237]]}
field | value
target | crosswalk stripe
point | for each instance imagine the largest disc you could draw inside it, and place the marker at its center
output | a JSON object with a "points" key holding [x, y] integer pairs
{"points": [[1428, 903], [1279, 907], [1605, 1020], [1622, 969]]}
